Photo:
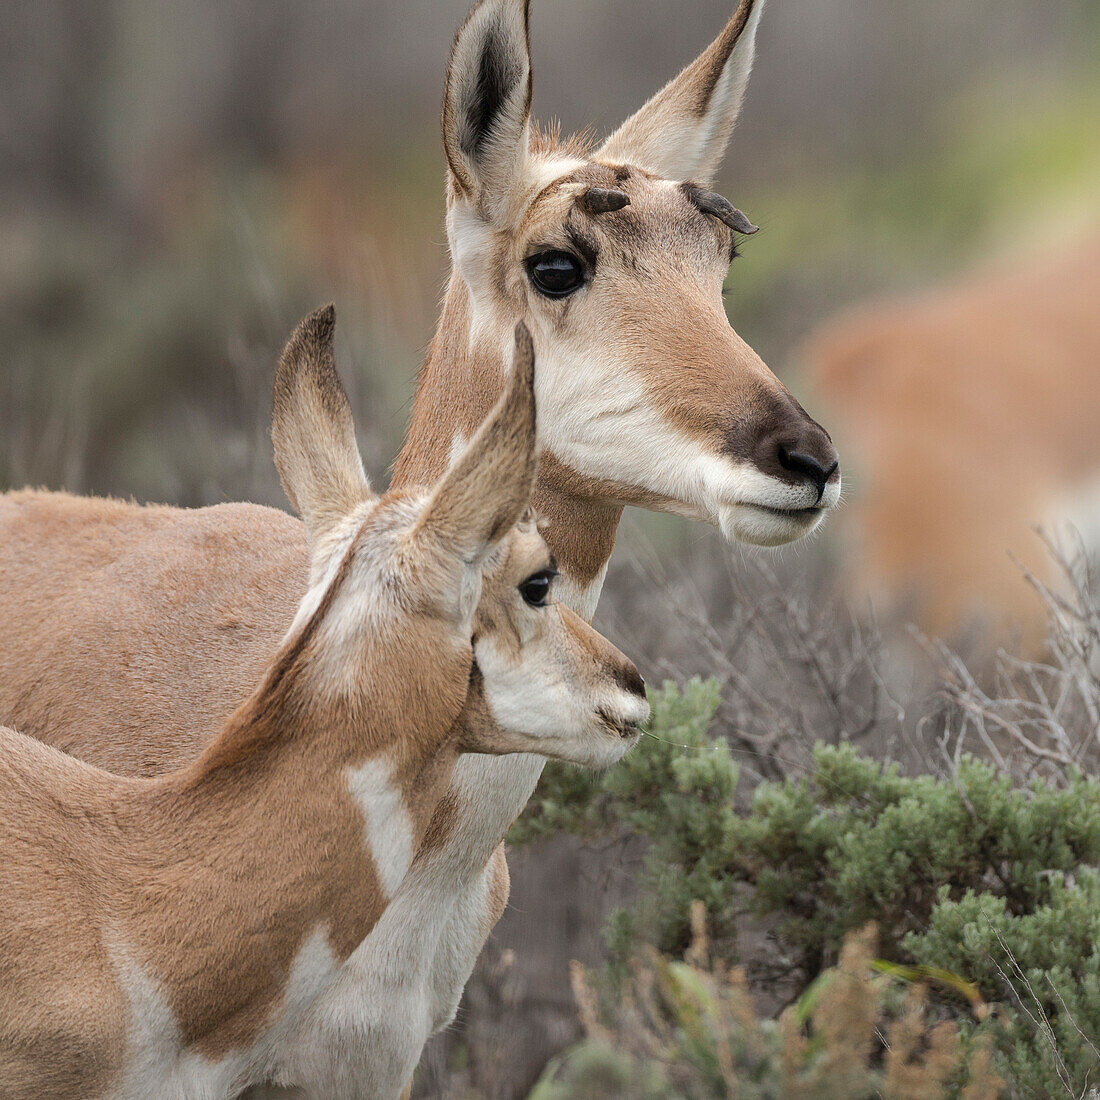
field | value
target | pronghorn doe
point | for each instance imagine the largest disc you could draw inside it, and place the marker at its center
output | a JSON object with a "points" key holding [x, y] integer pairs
{"points": [[163, 937], [614, 257]]}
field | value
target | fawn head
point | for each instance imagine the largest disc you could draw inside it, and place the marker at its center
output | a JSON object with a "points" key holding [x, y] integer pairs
{"points": [[442, 600]]}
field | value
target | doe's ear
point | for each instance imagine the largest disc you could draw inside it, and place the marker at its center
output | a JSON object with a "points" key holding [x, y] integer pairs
{"points": [[487, 105], [312, 429], [485, 492], [682, 132]]}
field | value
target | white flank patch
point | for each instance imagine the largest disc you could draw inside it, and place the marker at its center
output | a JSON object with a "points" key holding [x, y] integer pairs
{"points": [[364, 1037], [389, 827], [158, 1064]]}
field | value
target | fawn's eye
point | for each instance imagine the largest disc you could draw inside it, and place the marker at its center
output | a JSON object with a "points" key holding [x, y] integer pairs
{"points": [[555, 274], [536, 589]]}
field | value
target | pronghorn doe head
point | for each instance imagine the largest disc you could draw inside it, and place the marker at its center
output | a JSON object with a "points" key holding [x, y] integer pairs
{"points": [[615, 260], [455, 581]]}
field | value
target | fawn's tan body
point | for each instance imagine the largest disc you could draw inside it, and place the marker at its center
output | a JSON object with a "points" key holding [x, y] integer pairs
{"points": [[646, 397], [160, 937], [973, 412], [178, 936]]}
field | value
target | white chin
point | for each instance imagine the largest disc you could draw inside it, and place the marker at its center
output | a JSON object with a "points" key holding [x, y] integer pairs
{"points": [[758, 526], [597, 748], [611, 754], [597, 751]]}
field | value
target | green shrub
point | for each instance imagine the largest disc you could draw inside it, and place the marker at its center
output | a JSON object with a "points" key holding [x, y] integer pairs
{"points": [[1043, 964], [989, 882], [675, 789]]}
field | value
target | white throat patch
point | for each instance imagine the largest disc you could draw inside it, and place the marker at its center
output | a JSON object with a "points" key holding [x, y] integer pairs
{"points": [[389, 828]]}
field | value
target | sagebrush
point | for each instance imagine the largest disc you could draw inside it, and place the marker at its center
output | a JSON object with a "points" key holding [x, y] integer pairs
{"points": [[983, 882]]}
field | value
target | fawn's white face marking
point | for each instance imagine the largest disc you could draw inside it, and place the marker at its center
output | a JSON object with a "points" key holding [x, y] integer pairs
{"points": [[552, 685]]}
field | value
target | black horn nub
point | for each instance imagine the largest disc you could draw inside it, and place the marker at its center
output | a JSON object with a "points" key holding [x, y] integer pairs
{"points": [[710, 202], [603, 200]]}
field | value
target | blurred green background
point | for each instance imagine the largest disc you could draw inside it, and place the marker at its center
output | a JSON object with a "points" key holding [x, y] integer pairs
{"points": [[180, 181]]}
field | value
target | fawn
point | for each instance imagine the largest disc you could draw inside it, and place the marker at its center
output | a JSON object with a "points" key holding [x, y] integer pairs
{"points": [[161, 936]]}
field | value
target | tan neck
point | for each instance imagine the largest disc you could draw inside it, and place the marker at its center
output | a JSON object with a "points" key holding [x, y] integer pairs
{"points": [[458, 384], [279, 825], [291, 718], [269, 744]]}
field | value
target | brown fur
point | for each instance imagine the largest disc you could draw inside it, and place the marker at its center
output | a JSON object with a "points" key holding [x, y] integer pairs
{"points": [[490, 454], [499, 885], [442, 823], [969, 410], [105, 598]]}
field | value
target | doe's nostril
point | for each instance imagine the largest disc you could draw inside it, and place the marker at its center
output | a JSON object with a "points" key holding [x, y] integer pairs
{"points": [[793, 448], [808, 466]]}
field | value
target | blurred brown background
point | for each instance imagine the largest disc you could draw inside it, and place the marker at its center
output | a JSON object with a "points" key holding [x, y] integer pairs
{"points": [[180, 182]]}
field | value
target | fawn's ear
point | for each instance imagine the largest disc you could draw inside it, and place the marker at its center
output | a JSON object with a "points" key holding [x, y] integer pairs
{"points": [[312, 429], [486, 491], [487, 106], [682, 132]]}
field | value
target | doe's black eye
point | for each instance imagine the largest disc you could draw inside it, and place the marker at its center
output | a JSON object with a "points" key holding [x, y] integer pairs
{"points": [[555, 274], [536, 589]]}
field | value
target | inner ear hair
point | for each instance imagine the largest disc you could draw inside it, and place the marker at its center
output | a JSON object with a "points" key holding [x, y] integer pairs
{"points": [[487, 100], [710, 202]]}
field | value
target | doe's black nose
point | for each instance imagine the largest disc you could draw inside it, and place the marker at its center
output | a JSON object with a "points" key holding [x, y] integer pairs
{"points": [[812, 468], [783, 441]]}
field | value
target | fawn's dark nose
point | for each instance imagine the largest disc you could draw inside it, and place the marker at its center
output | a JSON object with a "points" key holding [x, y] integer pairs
{"points": [[815, 468], [630, 679]]}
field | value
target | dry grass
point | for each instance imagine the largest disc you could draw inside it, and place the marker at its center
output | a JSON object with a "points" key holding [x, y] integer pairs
{"points": [[689, 1029], [1036, 717]]}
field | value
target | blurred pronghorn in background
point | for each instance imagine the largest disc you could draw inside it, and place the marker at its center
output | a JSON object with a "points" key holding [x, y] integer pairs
{"points": [[972, 411]]}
